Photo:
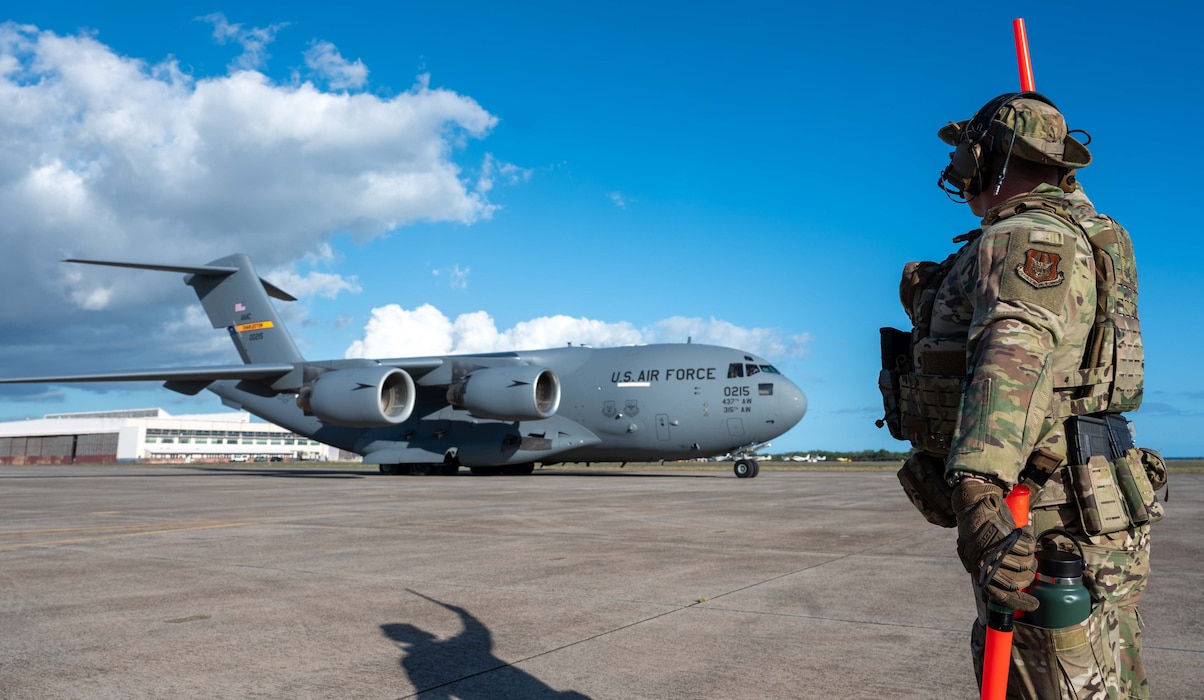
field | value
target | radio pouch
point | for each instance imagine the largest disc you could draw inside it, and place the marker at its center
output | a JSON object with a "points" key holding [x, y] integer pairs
{"points": [[1155, 467], [923, 480]]}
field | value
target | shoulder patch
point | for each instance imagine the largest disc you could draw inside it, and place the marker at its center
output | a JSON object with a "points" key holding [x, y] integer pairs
{"points": [[1040, 268], [1036, 267]]}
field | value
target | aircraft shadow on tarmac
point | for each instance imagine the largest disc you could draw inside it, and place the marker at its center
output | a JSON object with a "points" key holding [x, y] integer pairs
{"points": [[447, 668], [345, 474], [288, 473], [636, 473]]}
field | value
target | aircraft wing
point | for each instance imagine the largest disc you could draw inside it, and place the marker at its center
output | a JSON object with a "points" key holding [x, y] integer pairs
{"points": [[260, 370]]}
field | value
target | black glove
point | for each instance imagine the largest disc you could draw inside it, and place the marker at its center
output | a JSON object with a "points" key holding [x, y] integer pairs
{"points": [[984, 529]]}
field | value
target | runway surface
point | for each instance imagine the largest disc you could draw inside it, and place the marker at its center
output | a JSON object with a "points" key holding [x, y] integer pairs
{"points": [[187, 582]]}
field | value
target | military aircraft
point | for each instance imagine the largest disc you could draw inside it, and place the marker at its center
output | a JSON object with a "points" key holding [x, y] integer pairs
{"points": [[495, 413]]}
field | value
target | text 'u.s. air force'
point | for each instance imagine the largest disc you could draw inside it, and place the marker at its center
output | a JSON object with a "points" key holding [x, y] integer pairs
{"points": [[684, 374]]}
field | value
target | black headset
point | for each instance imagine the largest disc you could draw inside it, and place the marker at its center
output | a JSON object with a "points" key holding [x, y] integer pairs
{"points": [[964, 175]]}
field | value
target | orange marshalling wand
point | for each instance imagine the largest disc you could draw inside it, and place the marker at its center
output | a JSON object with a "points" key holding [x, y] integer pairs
{"points": [[997, 658], [1023, 62]]}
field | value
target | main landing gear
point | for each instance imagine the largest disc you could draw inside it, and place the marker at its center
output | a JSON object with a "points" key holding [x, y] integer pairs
{"points": [[747, 468]]}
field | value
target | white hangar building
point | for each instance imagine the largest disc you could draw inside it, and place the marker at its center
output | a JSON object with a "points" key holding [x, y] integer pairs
{"points": [[153, 435]]}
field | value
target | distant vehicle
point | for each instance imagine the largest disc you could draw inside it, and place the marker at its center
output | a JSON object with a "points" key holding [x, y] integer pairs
{"points": [[496, 413], [238, 458]]}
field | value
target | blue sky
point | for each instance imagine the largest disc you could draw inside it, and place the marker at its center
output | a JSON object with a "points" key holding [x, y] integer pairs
{"points": [[434, 177]]}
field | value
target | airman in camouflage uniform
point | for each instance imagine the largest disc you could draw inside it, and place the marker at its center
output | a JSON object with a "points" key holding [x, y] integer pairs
{"points": [[1000, 360]]}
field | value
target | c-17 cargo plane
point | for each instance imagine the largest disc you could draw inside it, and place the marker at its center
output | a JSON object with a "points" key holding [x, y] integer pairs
{"points": [[495, 413]]}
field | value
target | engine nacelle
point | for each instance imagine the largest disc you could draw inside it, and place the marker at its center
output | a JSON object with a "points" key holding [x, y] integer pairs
{"points": [[363, 397], [507, 393]]}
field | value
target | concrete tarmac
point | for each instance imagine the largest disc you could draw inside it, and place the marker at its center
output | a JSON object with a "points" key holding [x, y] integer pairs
{"points": [[189, 582]]}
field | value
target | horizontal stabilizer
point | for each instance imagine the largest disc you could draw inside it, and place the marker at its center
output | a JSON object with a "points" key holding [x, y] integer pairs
{"points": [[202, 270]]}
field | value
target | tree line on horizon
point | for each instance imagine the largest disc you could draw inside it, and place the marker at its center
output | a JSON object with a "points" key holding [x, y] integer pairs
{"points": [[859, 456]]}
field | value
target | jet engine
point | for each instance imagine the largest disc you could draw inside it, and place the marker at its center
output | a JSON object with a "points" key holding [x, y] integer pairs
{"points": [[507, 393], [363, 397]]}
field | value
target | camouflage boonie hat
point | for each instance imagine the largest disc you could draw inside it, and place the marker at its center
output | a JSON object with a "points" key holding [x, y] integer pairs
{"points": [[1041, 134]]}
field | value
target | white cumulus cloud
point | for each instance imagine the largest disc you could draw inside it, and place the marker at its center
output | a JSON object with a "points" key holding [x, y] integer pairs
{"points": [[107, 156], [393, 331]]}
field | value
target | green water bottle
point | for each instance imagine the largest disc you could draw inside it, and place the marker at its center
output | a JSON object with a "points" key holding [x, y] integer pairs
{"points": [[1059, 588]]}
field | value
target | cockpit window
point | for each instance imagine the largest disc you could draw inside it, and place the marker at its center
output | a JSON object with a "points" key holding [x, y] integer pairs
{"points": [[737, 369]]}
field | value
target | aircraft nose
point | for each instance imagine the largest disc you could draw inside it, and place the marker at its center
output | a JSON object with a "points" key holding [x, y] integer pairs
{"points": [[793, 403]]}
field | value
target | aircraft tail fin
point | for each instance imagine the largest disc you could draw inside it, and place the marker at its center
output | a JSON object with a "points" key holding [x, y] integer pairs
{"points": [[237, 299]]}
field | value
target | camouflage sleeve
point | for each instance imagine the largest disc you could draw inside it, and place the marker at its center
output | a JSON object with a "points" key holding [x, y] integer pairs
{"points": [[1020, 285]]}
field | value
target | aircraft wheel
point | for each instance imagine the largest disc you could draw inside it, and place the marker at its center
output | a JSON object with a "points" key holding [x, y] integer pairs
{"points": [[485, 471], [743, 469], [756, 469], [447, 469], [521, 469], [388, 468]]}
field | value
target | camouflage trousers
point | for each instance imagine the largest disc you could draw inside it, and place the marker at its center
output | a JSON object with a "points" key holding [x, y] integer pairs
{"points": [[1101, 657]]}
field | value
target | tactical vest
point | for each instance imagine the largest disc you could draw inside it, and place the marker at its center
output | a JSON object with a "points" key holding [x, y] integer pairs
{"points": [[926, 377], [921, 380]]}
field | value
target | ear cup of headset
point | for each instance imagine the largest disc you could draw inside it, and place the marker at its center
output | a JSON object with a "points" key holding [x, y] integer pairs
{"points": [[964, 168]]}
